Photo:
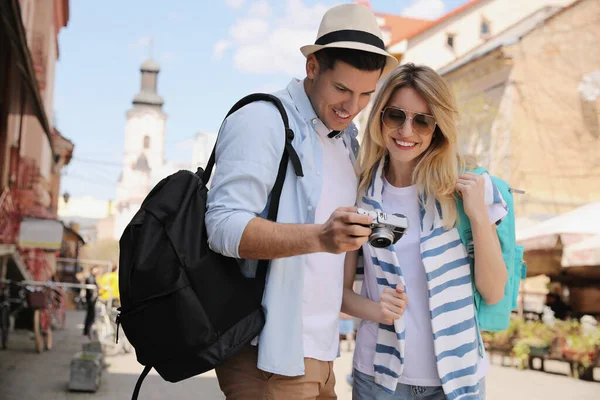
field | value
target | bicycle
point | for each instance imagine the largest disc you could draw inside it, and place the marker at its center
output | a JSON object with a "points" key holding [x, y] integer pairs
{"points": [[28, 299]]}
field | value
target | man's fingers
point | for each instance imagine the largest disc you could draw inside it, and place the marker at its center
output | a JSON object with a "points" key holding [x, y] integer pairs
{"points": [[357, 230], [354, 218], [347, 209]]}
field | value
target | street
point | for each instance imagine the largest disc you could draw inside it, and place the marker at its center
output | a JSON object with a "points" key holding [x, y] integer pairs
{"points": [[26, 375]]}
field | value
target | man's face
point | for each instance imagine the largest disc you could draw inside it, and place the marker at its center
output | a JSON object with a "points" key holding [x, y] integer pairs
{"points": [[339, 94]]}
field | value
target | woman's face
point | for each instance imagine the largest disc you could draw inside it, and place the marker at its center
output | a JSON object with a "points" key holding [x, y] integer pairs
{"points": [[405, 144]]}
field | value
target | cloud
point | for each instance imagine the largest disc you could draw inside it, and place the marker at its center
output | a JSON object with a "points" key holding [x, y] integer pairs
{"points": [[261, 9], [142, 43], [247, 30], [235, 4], [265, 42], [220, 47], [425, 9]]}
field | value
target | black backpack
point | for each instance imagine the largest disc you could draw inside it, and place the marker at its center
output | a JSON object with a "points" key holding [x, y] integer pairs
{"points": [[185, 308]]}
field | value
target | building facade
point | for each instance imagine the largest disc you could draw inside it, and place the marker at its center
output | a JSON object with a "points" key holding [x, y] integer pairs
{"points": [[32, 150], [451, 36], [531, 107]]}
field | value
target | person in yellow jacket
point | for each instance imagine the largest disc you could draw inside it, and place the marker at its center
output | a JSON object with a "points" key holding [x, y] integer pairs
{"points": [[108, 285]]}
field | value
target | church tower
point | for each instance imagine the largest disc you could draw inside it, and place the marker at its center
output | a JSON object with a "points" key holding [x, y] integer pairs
{"points": [[144, 147]]}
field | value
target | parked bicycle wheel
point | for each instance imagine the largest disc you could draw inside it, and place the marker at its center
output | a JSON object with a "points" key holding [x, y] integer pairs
{"points": [[42, 331], [37, 331], [4, 325]]}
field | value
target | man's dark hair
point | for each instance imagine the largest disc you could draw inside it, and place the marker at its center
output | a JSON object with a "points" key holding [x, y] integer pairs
{"points": [[362, 60]]}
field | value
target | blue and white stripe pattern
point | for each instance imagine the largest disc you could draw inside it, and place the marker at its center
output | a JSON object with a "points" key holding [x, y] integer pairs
{"points": [[449, 281]]}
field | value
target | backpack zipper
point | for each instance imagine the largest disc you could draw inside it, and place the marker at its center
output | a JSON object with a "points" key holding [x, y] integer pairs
{"points": [[118, 321]]}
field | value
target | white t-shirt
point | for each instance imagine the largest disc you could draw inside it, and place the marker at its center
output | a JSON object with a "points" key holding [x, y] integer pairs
{"points": [[419, 359], [324, 272]]}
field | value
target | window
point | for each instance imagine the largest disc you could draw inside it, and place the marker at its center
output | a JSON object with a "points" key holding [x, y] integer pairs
{"points": [[590, 110], [484, 29], [146, 142], [450, 40]]}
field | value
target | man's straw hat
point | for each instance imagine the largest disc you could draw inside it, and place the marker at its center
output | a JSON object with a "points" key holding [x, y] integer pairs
{"points": [[351, 26]]}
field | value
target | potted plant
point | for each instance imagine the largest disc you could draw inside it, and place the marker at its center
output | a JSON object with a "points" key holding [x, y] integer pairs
{"points": [[582, 351]]}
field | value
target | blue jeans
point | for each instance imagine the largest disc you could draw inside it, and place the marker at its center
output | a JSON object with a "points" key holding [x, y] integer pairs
{"points": [[365, 388]]}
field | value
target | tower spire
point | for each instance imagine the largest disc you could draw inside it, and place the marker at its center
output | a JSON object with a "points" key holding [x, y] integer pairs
{"points": [[148, 95]]}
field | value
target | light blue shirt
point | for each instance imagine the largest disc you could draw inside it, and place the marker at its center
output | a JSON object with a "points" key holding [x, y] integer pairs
{"points": [[249, 149]]}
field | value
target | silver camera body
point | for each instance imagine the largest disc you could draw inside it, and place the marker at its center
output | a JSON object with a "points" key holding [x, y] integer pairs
{"points": [[386, 229]]}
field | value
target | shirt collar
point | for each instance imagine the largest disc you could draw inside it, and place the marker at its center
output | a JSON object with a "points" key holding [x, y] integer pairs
{"points": [[296, 90]]}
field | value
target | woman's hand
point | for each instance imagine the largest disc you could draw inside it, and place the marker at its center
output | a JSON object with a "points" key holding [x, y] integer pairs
{"points": [[392, 304], [471, 188]]}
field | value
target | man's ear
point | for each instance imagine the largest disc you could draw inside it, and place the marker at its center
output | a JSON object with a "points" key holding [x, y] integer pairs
{"points": [[312, 66]]}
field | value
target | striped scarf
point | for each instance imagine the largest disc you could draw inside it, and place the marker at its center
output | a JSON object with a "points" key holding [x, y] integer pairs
{"points": [[449, 282]]}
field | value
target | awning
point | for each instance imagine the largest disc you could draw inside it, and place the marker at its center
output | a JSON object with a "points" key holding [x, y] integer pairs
{"points": [[70, 230], [570, 227], [11, 23], [14, 257], [582, 254]]}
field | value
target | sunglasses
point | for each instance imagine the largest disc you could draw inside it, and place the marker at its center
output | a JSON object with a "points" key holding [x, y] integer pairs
{"points": [[394, 118]]}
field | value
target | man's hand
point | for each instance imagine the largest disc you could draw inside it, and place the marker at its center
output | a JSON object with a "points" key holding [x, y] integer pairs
{"points": [[345, 230], [392, 304]]}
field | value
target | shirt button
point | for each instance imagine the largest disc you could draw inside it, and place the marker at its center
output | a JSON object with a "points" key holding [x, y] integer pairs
{"points": [[310, 208], [318, 174], [314, 121]]}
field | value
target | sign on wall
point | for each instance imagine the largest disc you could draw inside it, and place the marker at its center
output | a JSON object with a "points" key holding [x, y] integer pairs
{"points": [[41, 233]]}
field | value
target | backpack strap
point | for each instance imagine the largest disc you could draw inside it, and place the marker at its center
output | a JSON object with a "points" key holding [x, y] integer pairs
{"points": [[289, 154], [138, 385], [289, 133]]}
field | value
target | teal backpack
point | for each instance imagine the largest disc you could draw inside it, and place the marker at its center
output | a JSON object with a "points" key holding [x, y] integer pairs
{"points": [[497, 317]]}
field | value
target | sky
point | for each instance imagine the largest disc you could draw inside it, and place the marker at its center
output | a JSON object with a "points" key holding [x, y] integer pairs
{"points": [[211, 52]]}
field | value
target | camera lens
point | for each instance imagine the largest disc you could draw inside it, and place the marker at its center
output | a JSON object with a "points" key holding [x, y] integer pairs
{"points": [[381, 237]]}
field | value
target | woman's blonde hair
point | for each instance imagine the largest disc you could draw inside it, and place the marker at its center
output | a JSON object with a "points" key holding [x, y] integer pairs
{"points": [[438, 167]]}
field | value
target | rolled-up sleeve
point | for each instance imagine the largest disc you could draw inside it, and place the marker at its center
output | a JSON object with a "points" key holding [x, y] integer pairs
{"points": [[249, 149]]}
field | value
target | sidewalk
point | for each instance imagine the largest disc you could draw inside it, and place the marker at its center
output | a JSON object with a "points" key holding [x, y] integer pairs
{"points": [[26, 375]]}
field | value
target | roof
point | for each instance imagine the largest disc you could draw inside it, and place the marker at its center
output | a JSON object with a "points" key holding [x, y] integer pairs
{"points": [[150, 66], [148, 98], [431, 24], [402, 27], [399, 26], [507, 37]]}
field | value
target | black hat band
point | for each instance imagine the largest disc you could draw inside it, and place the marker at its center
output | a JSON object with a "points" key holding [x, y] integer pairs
{"points": [[350, 35]]}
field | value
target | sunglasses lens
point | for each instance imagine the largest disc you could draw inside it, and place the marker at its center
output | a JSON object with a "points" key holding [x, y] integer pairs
{"points": [[423, 124], [393, 118]]}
